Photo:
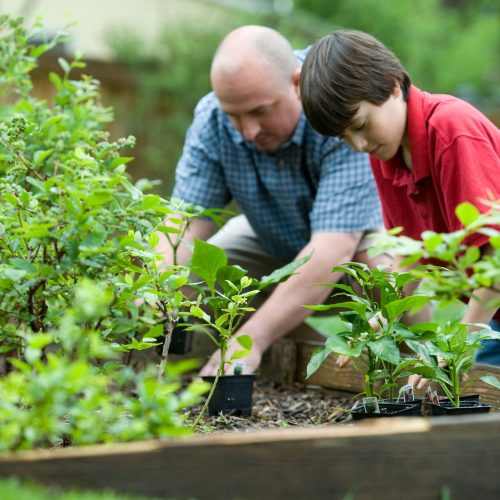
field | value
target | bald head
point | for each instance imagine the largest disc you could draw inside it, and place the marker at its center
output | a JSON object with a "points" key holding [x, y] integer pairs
{"points": [[250, 46]]}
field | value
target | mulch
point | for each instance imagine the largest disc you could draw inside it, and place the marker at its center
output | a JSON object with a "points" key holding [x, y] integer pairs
{"points": [[279, 407]]}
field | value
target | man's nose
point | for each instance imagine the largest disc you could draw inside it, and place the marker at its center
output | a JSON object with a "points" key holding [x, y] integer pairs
{"points": [[249, 128]]}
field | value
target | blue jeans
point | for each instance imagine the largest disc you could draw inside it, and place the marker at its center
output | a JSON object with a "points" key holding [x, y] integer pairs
{"points": [[490, 353]]}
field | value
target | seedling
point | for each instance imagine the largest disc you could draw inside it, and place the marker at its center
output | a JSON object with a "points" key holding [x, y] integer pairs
{"points": [[380, 299], [227, 297]]}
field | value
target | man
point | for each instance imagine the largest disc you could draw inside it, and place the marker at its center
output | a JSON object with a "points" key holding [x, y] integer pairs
{"points": [[300, 193]]}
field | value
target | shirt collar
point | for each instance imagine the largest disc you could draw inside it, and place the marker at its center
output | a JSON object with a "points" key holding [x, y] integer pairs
{"points": [[417, 134]]}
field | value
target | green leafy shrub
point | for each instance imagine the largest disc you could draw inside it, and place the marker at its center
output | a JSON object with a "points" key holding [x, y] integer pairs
{"points": [[70, 217]]}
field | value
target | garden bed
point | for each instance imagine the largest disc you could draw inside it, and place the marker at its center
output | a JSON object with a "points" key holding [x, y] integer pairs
{"points": [[397, 458]]}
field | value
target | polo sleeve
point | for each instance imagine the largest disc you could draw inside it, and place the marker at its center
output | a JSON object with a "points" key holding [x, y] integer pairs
{"points": [[199, 176], [469, 171], [347, 198]]}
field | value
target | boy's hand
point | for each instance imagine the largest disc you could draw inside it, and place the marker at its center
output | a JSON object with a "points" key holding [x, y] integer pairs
{"points": [[343, 361]]}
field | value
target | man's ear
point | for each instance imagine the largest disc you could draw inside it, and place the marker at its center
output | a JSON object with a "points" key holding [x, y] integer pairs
{"points": [[296, 81]]}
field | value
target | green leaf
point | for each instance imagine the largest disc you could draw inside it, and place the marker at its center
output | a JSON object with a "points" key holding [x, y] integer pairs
{"points": [[98, 198], [11, 199], [206, 261], [467, 213], [197, 312], [317, 359], [338, 345], [242, 353], [328, 325], [56, 80], [386, 349], [40, 156], [395, 309], [64, 65], [283, 272], [245, 341], [491, 380]]}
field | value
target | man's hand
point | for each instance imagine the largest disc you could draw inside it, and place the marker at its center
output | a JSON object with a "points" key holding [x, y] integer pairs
{"points": [[252, 361]]}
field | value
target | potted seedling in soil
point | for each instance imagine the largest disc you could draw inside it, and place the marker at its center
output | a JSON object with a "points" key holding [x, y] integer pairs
{"points": [[453, 270], [228, 294], [371, 332], [447, 355]]}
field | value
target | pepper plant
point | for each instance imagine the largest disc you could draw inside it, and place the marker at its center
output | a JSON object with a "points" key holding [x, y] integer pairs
{"points": [[453, 270], [379, 298]]}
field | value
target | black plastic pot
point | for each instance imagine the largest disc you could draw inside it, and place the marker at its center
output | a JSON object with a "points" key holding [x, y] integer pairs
{"points": [[232, 395], [180, 343], [388, 410], [468, 405], [182, 340]]}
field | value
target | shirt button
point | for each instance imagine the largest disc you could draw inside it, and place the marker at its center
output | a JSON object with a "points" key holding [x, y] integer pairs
{"points": [[416, 192], [281, 163]]}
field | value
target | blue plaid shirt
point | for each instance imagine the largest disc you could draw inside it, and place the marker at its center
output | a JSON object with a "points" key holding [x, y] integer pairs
{"points": [[311, 184]]}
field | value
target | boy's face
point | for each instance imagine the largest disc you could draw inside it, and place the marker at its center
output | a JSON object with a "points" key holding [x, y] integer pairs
{"points": [[379, 130]]}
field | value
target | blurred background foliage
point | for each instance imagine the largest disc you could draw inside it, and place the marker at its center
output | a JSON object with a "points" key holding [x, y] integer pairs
{"points": [[448, 46]]}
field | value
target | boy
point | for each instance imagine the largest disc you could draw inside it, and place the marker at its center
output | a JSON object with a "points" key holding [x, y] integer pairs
{"points": [[428, 152]]}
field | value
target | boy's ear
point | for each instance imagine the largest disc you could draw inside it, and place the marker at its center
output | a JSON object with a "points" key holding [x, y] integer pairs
{"points": [[296, 80], [396, 89]]}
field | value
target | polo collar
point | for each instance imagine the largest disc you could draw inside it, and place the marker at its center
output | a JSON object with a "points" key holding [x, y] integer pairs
{"points": [[417, 133]]}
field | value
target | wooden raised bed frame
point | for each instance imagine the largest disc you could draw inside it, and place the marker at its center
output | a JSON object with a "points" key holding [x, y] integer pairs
{"points": [[388, 458]]}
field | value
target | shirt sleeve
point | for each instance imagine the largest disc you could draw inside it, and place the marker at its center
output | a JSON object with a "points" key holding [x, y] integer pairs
{"points": [[469, 171], [199, 177], [347, 198]]}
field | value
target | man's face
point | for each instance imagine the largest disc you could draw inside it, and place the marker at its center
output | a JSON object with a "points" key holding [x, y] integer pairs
{"points": [[379, 130], [264, 112]]}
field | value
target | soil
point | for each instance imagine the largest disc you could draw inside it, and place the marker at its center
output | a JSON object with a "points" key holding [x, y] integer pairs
{"points": [[278, 407]]}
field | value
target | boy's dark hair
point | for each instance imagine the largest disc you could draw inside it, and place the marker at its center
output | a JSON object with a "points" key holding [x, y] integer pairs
{"points": [[341, 70]]}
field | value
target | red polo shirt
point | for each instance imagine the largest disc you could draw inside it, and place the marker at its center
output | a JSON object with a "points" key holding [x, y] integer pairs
{"points": [[455, 153]]}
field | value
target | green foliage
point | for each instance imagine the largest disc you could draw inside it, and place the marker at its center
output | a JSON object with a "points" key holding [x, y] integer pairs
{"points": [[227, 292], [70, 218], [74, 394], [448, 352], [371, 329], [14, 489], [457, 271], [445, 49]]}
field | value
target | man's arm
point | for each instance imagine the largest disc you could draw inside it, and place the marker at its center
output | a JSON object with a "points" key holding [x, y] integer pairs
{"points": [[283, 310]]}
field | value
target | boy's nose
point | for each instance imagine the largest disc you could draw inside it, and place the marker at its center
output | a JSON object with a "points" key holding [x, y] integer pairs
{"points": [[360, 144]]}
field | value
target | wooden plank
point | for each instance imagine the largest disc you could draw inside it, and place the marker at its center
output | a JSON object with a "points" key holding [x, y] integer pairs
{"points": [[473, 385], [279, 363], [389, 458], [329, 375]]}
